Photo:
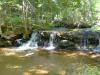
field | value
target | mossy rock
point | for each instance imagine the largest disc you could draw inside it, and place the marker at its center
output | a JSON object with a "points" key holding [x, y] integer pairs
{"points": [[65, 44]]}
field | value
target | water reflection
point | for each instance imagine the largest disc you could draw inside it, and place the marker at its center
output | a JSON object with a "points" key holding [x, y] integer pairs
{"points": [[43, 63]]}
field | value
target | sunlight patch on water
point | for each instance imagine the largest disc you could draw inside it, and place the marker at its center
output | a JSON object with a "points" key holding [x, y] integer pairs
{"points": [[13, 66], [43, 63]]}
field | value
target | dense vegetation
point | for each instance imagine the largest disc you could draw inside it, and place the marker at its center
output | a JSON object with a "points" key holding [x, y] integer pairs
{"points": [[25, 15]]}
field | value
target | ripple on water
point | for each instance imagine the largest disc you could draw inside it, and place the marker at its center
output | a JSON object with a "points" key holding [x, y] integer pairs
{"points": [[45, 63]]}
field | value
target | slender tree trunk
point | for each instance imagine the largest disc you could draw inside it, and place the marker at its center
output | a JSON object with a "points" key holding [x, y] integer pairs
{"points": [[25, 10], [0, 30], [1, 22]]}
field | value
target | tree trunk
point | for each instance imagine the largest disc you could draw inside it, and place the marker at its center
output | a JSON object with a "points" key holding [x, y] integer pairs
{"points": [[0, 30]]}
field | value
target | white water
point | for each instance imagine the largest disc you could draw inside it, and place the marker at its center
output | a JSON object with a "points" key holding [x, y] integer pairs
{"points": [[84, 44], [51, 45], [31, 44]]}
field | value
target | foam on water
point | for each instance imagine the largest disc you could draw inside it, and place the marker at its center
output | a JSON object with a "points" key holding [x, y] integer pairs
{"points": [[51, 45], [31, 44]]}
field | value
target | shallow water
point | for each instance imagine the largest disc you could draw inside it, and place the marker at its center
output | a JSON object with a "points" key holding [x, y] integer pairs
{"points": [[44, 63]]}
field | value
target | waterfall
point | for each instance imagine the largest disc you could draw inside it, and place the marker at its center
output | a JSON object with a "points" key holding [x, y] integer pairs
{"points": [[51, 45], [31, 44], [97, 49], [84, 41], [35, 42]]}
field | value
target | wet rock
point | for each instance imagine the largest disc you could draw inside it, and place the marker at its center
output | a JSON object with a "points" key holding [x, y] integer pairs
{"points": [[4, 42], [12, 40], [65, 44], [16, 40]]}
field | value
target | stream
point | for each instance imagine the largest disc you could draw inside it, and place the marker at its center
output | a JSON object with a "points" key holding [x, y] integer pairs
{"points": [[44, 63]]}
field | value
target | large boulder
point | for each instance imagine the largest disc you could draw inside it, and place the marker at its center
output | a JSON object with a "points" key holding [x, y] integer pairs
{"points": [[4, 42], [65, 44]]}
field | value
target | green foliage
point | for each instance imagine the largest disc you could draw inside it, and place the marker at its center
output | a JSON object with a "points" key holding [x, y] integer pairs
{"points": [[44, 13], [13, 20]]}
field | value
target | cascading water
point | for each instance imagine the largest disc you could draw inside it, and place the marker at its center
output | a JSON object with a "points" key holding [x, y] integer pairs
{"points": [[97, 49], [84, 41], [51, 45], [31, 44]]}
